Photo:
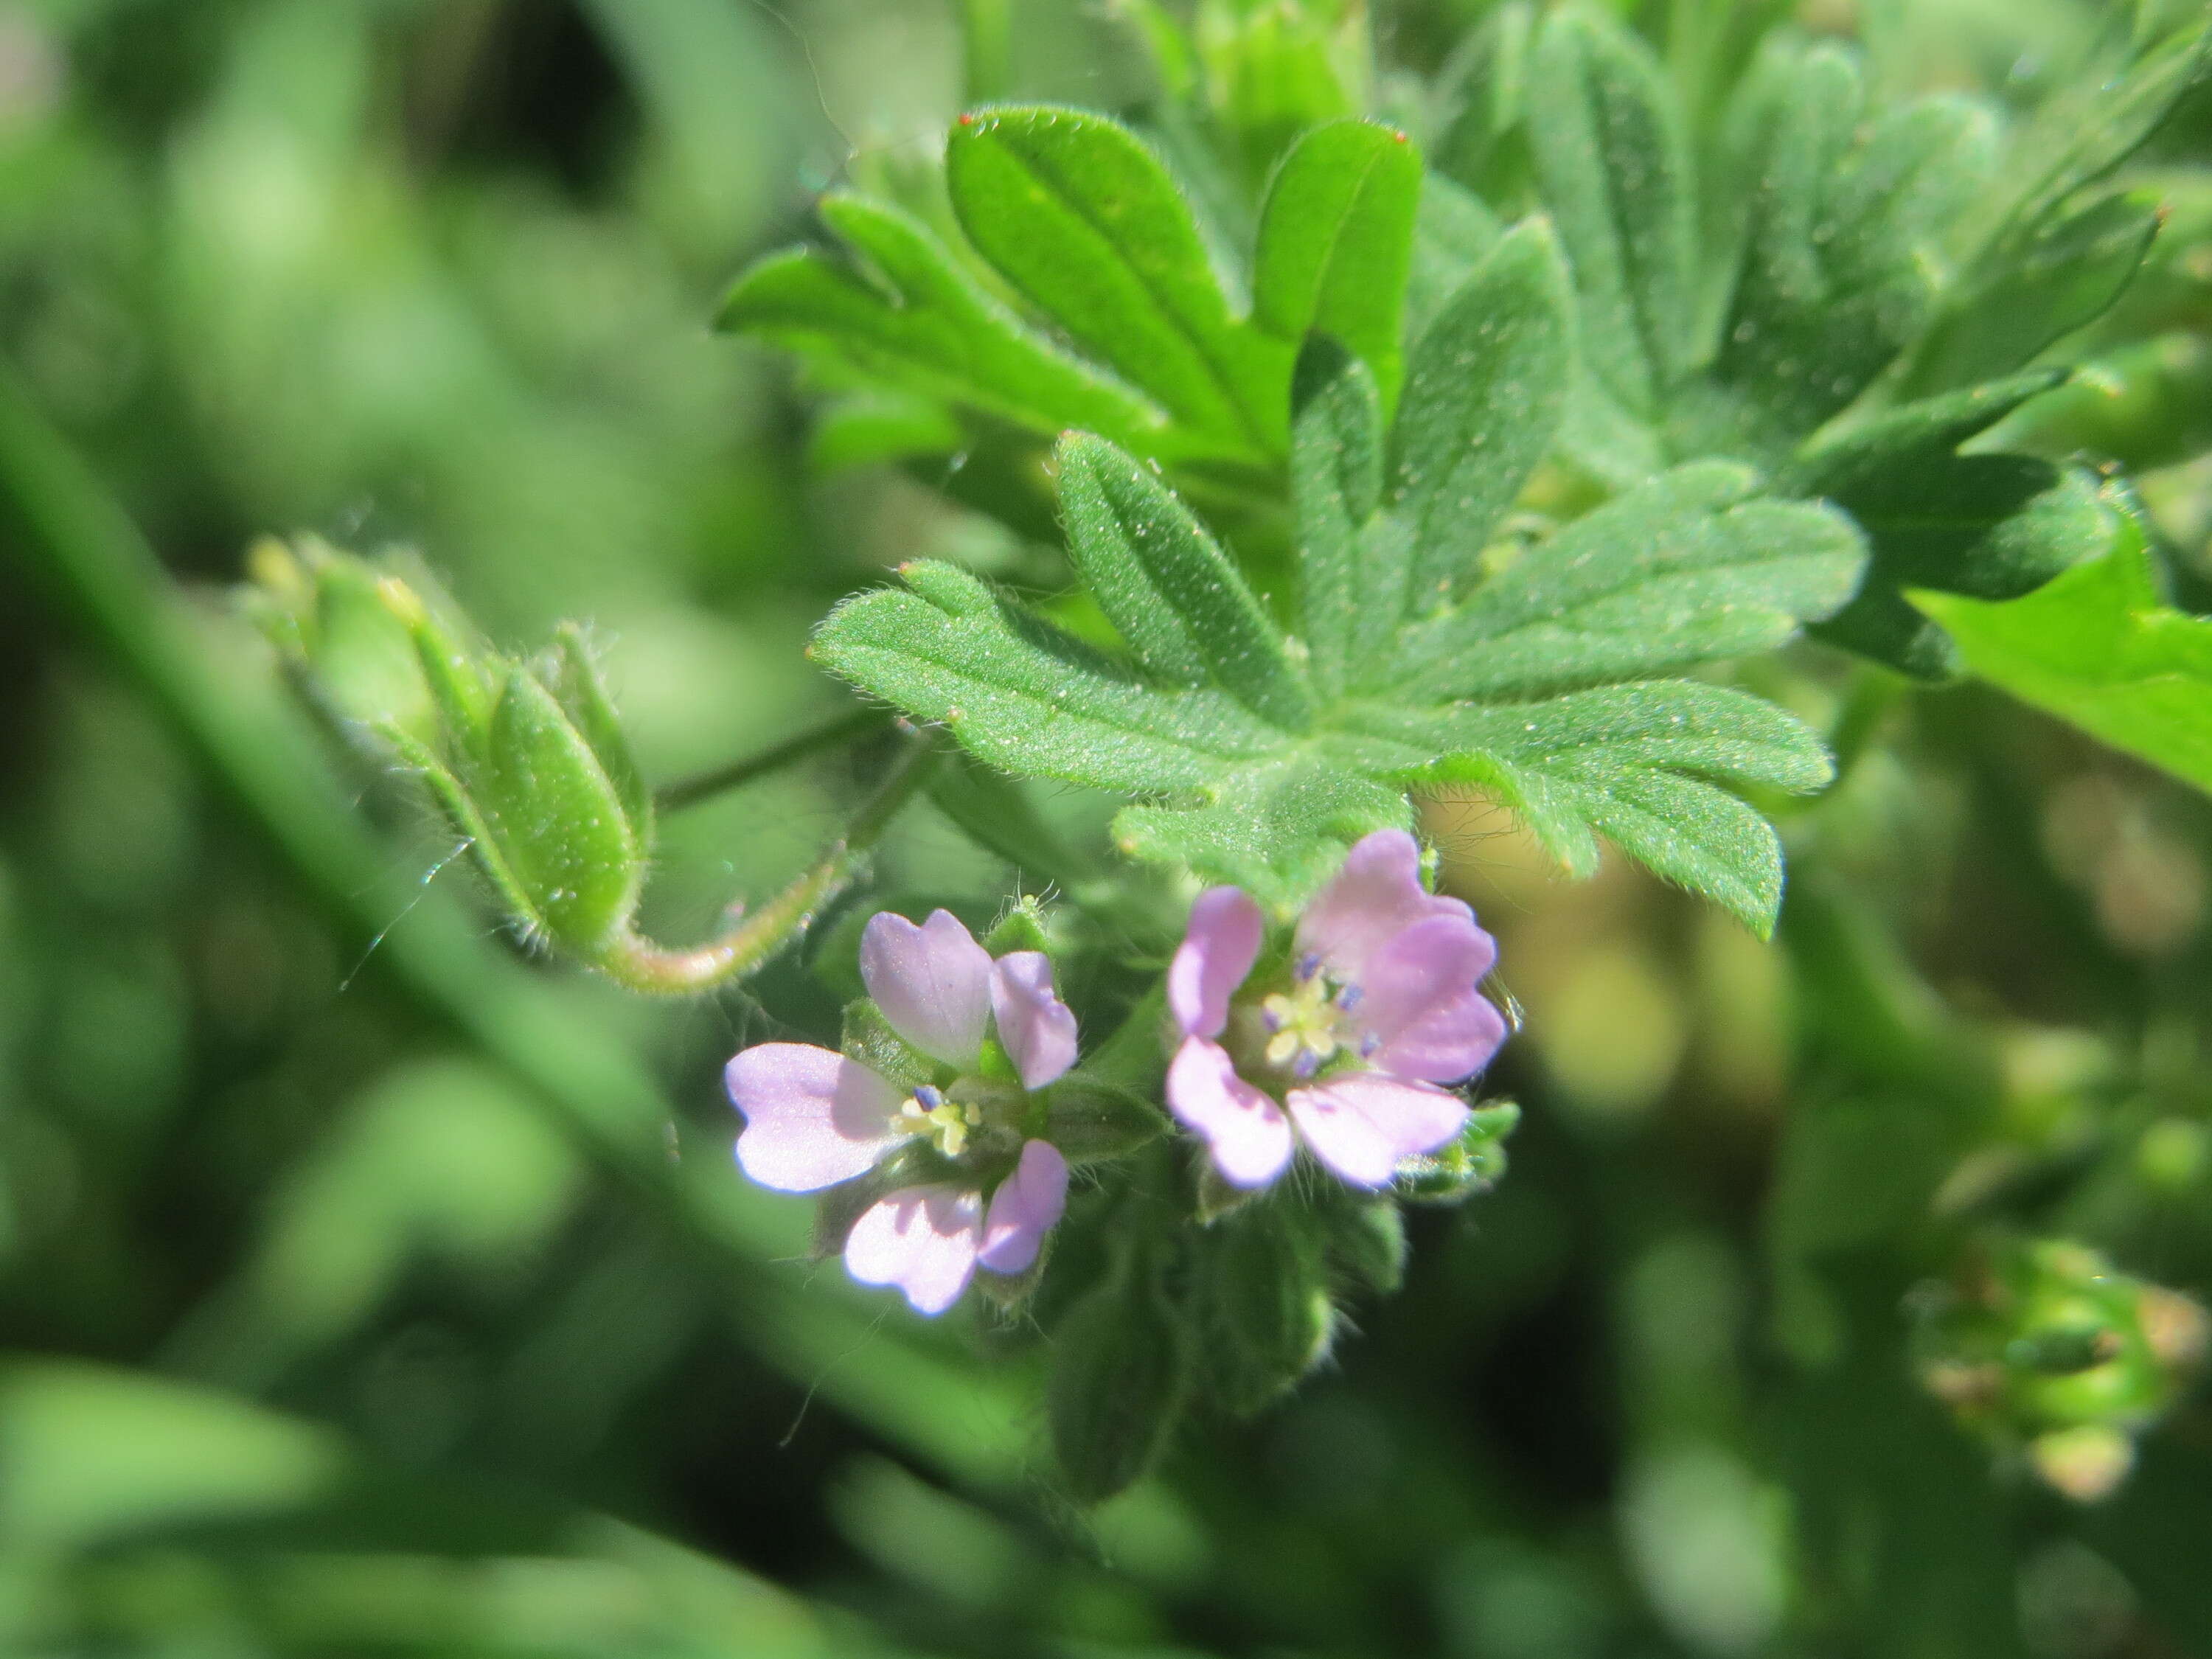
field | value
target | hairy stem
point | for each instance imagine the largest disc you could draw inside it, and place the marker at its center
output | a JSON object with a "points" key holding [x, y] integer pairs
{"points": [[641, 965]]}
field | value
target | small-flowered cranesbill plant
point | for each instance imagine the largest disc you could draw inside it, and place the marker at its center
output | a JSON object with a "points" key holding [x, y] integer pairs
{"points": [[1503, 466]]}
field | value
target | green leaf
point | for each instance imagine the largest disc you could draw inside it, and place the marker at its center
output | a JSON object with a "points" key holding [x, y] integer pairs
{"points": [[1837, 269], [1168, 588], [914, 318], [1994, 527], [1453, 232], [1689, 569], [1277, 830], [1028, 697], [1484, 395], [1080, 217], [2036, 287], [2099, 647], [1484, 141], [1612, 156], [1365, 1237], [1641, 764], [1336, 485], [1335, 242]]}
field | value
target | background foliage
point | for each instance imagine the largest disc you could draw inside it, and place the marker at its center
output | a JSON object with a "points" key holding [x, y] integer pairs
{"points": [[367, 1290]]}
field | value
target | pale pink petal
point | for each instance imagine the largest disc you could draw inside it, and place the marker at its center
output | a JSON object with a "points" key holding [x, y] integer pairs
{"points": [[1360, 1124], [933, 982], [1035, 1028], [923, 1239], [1377, 893], [1244, 1129], [1218, 949], [1418, 1004], [1026, 1207], [813, 1118]]}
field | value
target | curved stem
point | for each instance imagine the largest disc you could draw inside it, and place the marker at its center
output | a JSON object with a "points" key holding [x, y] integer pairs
{"points": [[642, 965], [705, 786]]}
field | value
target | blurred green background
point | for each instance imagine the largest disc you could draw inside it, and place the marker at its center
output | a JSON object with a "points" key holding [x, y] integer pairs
{"points": [[365, 1291]]}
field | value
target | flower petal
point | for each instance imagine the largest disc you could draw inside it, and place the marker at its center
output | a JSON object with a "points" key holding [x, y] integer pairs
{"points": [[1360, 1124], [1376, 893], [923, 1239], [1244, 1129], [1218, 949], [1035, 1027], [933, 982], [813, 1118], [1027, 1206], [1419, 1005]]}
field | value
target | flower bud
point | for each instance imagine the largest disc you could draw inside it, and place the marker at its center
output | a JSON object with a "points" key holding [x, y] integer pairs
{"points": [[1120, 1373], [1092, 1122], [525, 759], [1366, 1239], [1268, 1314]]}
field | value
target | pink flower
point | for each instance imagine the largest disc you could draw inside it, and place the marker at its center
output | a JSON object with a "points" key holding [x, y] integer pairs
{"points": [[814, 1118], [1349, 1040]]}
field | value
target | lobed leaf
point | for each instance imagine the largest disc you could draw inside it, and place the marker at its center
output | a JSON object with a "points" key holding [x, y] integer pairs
{"points": [[1167, 586], [1993, 527], [1336, 486], [1080, 217], [917, 321], [1026, 696], [2099, 647], [1336, 244], [1689, 569], [1484, 396], [1606, 137], [1277, 829]]}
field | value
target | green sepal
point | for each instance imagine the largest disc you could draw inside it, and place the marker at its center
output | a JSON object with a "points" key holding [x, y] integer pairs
{"points": [[1267, 1313], [1366, 1239], [463, 817], [1121, 1375], [841, 1206], [1094, 1122], [574, 681], [866, 1039], [1024, 928], [1472, 1163], [559, 819]]}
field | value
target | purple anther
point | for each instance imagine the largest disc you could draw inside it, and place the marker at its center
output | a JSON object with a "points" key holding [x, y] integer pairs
{"points": [[1305, 1065], [931, 1099], [1348, 998], [1271, 1020], [1368, 1045], [1308, 965]]}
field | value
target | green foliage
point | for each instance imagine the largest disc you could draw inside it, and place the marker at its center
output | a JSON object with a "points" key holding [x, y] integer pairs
{"points": [[1264, 1308], [1121, 1372], [1267, 775], [2099, 648], [1078, 217]]}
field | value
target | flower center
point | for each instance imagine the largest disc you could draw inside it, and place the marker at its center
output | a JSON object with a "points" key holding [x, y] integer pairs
{"points": [[1310, 1024], [947, 1123]]}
